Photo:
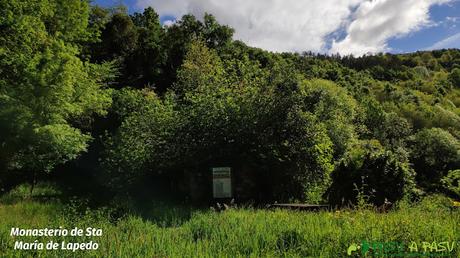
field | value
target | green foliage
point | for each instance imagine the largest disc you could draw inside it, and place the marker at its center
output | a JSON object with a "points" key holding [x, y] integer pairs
{"points": [[335, 108], [202, 71], [422, 72], [189, 97], [145, 64], [454, 77], [451, 183], [143, 141], [21, 192], [225, 92], [368, 170], [44, 86], [389, 128], [433, 153], [435, 203], [119, 36], [179, 36], [212, 121]]}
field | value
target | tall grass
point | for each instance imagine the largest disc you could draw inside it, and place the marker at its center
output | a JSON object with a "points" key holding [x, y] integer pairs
{"points": [[242, 232]]}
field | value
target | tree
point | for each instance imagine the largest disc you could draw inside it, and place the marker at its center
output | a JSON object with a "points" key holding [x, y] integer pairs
{"points": [[212, 120], [202, 70], [333, 107], [145, 143], [45, 89], [434, 152], [389, 128], [119, 38], [144, 67], [455, 77], [216, 35], [179, 36]]}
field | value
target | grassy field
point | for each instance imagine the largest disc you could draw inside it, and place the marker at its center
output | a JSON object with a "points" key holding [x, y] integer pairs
{"points": [[166, 231]]}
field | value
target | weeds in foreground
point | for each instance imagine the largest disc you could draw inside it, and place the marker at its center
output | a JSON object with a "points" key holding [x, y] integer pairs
{"points": [[244, 232]]}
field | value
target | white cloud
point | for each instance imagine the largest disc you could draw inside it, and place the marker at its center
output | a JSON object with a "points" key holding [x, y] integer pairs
{"points": [[174, 8], [377, 21], [302, 25], [450, 42], [277, 25], [168, 23]]}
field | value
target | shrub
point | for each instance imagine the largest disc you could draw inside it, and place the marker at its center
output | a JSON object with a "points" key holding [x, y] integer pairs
{"points": [[433, 153], [379, 175], [451, 183], [454, 77], [435, 203]]}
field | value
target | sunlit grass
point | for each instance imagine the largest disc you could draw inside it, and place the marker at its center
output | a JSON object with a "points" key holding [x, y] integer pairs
{"points": [[244, 232]]}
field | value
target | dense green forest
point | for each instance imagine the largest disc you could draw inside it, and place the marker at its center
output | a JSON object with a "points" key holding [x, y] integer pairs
{"points": [[105, 102]]}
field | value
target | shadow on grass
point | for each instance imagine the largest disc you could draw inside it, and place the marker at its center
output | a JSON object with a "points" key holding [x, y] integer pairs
{"points": [[170, 213]]}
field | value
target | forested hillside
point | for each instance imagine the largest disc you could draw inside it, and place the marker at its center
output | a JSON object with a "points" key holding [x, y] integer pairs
{"points": [[107, 102]]}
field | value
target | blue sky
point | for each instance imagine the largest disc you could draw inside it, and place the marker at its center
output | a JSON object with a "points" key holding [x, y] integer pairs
{"points": [[332, 26], [447, 21]]}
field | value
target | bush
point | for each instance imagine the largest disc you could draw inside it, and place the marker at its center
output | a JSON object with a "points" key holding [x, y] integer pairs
{"points": [[433, 153], [451, 183], [373, 173], [434, 203], [454, 77]]}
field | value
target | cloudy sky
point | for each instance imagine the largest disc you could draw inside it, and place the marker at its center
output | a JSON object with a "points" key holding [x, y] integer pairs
{"points": [[327, 26]]}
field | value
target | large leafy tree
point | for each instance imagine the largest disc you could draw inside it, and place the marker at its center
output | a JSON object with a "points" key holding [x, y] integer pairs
{"points": [[46, 91], [179, 36], [335, 108], [133, 42], [145, 65]]}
